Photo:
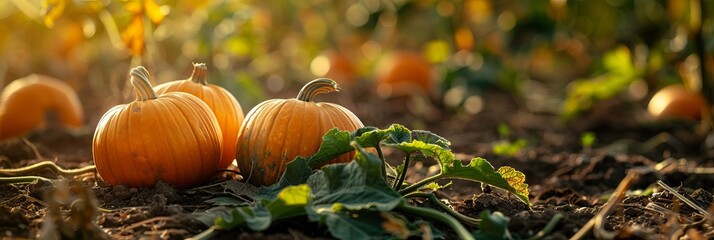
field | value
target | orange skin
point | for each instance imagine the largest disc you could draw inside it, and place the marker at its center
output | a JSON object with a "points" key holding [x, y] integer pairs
{"points": [[278, 130], [341, 69], [25, 102], [675, 101], [222, 103], [173, 137], [404, 73]]}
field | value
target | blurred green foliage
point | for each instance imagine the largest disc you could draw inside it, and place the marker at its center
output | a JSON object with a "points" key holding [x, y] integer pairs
{"points": [[554, 56]]}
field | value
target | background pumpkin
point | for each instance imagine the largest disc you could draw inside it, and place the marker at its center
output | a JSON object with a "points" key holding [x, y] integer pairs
{"points": [[676, 101], [25, 102], [403, 73], [173, 137], [278, 130], [222, 103]]}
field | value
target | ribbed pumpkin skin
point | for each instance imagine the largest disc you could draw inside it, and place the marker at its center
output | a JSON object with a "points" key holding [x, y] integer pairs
{"points": [[174, 138], [222, 103], [25, 101], [278, 130]]}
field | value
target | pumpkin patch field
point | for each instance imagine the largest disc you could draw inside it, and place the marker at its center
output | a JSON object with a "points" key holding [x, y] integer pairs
{"points": [[356, 119]]}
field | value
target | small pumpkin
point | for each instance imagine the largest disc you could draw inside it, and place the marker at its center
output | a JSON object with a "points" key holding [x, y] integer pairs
{"points": [[676, 101], [403, 73], [173, 137], [278, 130], [25, 102], [222, 103]]}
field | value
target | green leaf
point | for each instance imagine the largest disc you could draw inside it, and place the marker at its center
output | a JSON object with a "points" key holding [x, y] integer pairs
{"points": [[356, 185], [290, 202], [478, 169], [225, 201], [255, 217], [296, 172], [394, 134], [397, 134], [358, 224], [481, 170], [493, 226], [334, 144], [434, 186], [429, 137]]}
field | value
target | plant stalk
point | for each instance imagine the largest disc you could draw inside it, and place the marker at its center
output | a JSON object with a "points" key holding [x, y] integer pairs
{"points": [[23, 179], [46, 165], [432, 197], [417, 185], [384, 163], [403, 174], [549, 227], [436, 215]]}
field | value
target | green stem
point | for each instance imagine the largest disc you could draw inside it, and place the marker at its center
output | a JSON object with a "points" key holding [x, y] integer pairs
{"points": [[142, 86], [549, 227], [432, 197], [384, 163], [403, 174], [208, 234], [436, 215], [317, 86], [46, 165], [23, 179], [199, 74], [417, 185]]}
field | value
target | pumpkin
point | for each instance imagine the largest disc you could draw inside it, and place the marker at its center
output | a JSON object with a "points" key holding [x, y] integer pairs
{"points": [[278, 130], [675, 101], [403, 73], [25, 102], [222, 103], [173, 137], [334, 65]]}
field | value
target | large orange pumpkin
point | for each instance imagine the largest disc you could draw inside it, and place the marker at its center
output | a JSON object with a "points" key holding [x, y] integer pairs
{"points": [[172, 137], [222, 103], [276, 131], [403, 73], [25, 102]]}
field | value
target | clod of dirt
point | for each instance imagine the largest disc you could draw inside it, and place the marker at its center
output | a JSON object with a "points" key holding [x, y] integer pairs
{"points": [[12, 221]]}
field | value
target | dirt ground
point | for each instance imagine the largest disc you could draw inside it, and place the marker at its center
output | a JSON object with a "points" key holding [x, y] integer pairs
{"points": [[565, 178]]}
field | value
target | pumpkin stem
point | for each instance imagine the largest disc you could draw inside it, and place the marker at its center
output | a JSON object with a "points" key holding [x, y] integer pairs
{"points": [[317, 86], [142, 86], [199, 73]]}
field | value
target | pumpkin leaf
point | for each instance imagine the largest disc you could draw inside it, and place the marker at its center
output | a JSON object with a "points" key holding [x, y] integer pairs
{"points": [[354, 224], [394, 134], [225, 201], [478, 169], [296, 172], [434, 186], [290, 202], [51, 10], [353, 186], [429, 137], [334, 144]]}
